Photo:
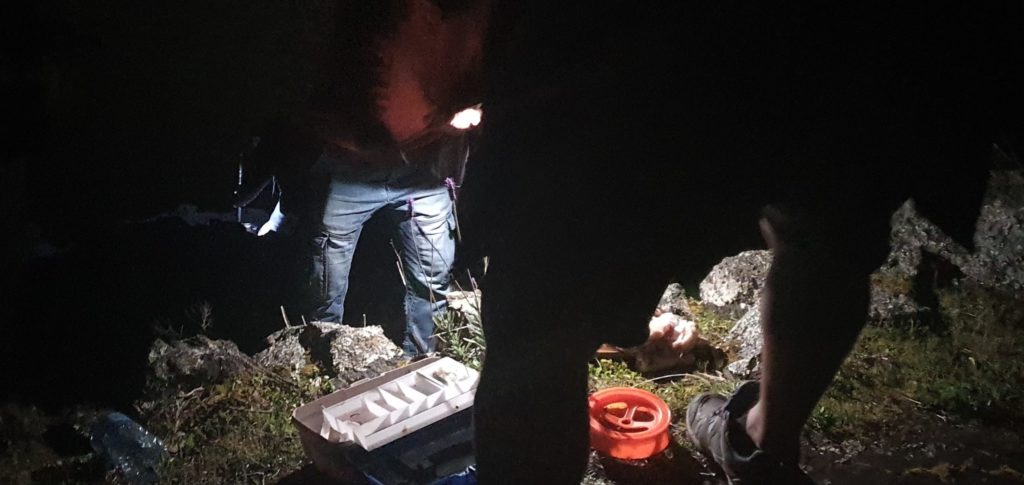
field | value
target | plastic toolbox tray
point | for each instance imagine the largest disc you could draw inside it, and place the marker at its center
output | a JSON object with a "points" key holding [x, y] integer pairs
{"points": [[441, 453], [337, 428]]}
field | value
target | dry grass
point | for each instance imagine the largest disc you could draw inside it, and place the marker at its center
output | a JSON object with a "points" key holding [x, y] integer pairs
{"points": [[238, 431]]}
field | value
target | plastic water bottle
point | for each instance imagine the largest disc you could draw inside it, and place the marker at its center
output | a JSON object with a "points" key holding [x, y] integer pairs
{"points": [[128, 447]]}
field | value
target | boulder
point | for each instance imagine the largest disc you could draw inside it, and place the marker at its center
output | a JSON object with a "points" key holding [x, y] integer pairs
{"points": [[998, 260], [196, 361], [674, 301], [912, 236], [734, 285], [888, 306], [746, 339], [923, 258], [348, 353], [284, 351], [892, 308]]}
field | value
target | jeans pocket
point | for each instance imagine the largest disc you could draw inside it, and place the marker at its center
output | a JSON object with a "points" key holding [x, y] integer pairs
{"points": [[321, 276]]}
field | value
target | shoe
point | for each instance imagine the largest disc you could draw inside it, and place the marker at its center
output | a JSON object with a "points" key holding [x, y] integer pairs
{"points": [[713, 424]]}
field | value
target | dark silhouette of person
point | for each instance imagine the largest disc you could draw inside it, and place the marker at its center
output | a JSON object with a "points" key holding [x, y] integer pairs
{"points": [[629, 144]]}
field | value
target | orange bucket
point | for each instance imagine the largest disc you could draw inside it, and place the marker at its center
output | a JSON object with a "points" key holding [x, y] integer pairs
{"points": [[628, 423]]}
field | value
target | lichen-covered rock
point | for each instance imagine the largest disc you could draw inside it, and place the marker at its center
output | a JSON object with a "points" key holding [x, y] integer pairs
{"points": [[674, 301], [889, 307], [284, 351], [998, 260], [734, 285], [746, 338], [347, 353], [196, 361], [350, 353], [911, 235]]}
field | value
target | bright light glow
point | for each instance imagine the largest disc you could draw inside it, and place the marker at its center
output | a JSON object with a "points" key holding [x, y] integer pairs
{"points": [[467, 118]]}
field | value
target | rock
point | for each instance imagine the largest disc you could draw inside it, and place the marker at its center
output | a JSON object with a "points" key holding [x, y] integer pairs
{"points": [[998, 261], [911, 236], [922, 259], [350, 353], [196, 361], [284, 351], [733, 286], [999, 237], [891, 308], [746, 338], [674, 301]]}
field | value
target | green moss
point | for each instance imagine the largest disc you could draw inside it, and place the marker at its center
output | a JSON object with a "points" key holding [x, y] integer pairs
{"points": [[609, 373], [892, 282], [711, 325], [679, 392]]}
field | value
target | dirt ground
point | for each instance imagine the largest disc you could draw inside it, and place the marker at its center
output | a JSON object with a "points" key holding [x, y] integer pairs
{"points": [[927, 450]]}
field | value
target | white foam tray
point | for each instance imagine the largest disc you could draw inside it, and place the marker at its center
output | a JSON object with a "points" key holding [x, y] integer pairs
{"points": [[399, 406]]}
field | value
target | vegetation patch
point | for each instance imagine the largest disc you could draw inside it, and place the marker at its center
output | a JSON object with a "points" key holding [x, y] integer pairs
{"points": [[460, 338], [712, 326], [971, 370], [238, 431]]}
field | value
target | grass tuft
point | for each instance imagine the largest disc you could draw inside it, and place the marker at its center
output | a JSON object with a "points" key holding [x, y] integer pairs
{"points": [[461, 338], [239, 431], [971, 371]]}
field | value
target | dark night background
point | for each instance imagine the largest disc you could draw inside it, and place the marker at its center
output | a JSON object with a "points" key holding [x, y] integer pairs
{"points": [[118, 111], [115, 112], [120, 117], [135, 108]]}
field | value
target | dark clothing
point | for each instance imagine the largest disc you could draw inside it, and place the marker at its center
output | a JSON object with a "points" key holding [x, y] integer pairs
{"points": [[629, 144], [654, 148], [396, 71]]}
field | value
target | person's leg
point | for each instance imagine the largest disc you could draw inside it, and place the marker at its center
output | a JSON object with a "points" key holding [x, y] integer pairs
{"points": [[813, 308], [424, 231], [347, 207], [530, 412]]}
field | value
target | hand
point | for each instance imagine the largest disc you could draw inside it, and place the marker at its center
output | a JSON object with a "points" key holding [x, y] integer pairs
{"points": [[274, 223]]}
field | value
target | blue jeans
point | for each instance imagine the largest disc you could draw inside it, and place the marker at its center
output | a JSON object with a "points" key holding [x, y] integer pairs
{"points": [[420, 215]]}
